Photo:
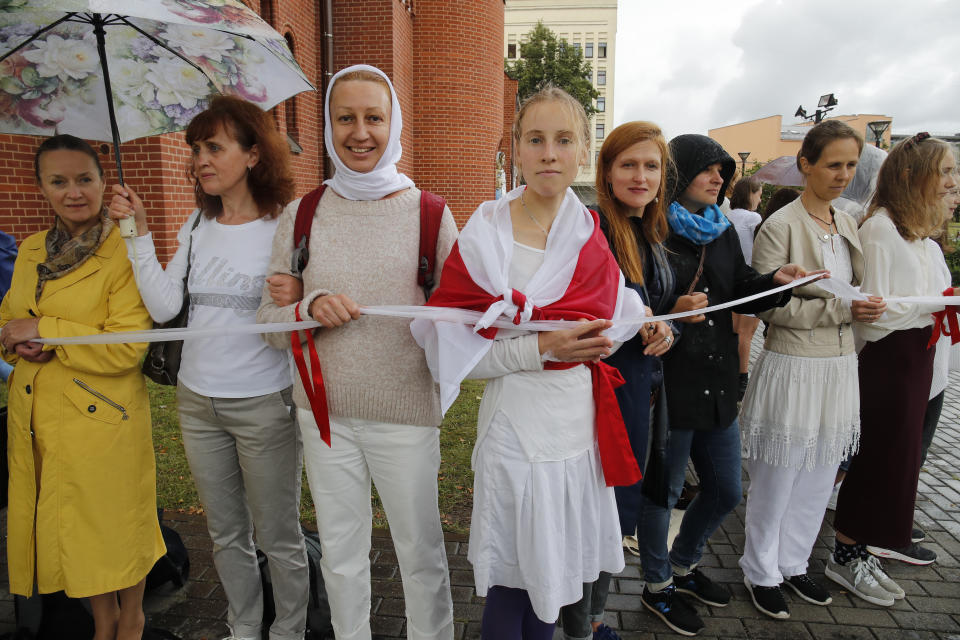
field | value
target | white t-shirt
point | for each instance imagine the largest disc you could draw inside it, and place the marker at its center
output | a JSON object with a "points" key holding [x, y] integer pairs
{"points": [[228, 267], [745, 222]]}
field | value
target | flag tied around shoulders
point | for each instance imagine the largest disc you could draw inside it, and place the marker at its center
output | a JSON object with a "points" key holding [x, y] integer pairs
{"points": [[579, 279]]}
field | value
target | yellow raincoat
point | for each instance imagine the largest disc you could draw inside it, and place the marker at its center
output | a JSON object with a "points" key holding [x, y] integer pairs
{"points": [[82, 514]]}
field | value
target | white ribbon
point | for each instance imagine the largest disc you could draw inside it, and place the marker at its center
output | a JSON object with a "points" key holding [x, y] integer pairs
{"points": [[445, 314], [846, 291]]}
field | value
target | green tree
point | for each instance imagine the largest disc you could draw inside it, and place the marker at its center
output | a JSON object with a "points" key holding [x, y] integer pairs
{"points": [[545, 58]]}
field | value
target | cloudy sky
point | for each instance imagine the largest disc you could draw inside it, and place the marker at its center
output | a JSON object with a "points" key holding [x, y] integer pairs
{"points": [[698, 64]]}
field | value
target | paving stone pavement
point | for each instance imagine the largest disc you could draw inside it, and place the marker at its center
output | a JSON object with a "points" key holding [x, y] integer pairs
{"points": [[930, 611]]}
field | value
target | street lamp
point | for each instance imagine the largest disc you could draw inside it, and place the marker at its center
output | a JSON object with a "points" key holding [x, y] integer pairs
{"points": [[743, 161], [826, 103], [877, 127]]}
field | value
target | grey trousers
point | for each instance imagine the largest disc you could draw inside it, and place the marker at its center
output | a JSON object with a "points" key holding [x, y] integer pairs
{"points": [[246, 459]]}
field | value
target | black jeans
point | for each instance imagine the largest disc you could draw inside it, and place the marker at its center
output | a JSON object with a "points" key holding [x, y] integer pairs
{"points": [[577, 617]]}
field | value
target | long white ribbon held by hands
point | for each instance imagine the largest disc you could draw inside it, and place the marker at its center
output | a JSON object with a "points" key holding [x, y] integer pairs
{"points": [[846, 291], [442, 314]]}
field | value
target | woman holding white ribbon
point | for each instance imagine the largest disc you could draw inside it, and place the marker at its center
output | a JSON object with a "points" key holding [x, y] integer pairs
{"points": [[234, 391], [876, 501], [801, 412], [384, 409], [551, 440]]}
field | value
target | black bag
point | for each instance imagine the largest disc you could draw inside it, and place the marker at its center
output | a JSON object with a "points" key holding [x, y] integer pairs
{"points": [[174, 566], [656, 482], [162, 362], [319, 626], [51, 616]]}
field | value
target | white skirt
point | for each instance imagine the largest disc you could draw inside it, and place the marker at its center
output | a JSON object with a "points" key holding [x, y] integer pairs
{"points": [[546, 527], [801, 412]]}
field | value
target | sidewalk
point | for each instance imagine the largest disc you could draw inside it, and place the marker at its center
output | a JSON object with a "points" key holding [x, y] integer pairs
{"points": [[931, 609]]}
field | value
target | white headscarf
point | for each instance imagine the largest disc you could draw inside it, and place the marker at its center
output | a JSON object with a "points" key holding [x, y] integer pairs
{"points": [[384, 179]]}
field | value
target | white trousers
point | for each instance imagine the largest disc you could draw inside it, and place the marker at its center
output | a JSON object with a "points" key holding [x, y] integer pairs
{"points": [[403, 461], [785, 508]]}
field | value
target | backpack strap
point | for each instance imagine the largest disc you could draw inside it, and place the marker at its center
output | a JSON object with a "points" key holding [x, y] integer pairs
{"points": [[301, 230], [431, 213]]}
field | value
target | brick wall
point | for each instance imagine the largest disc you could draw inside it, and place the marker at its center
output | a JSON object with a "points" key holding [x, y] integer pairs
{"points": [[458, 73]]}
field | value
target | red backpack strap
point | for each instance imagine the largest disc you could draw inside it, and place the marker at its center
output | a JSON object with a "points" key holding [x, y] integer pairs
{"points": [[301, 230], [431, 213]]}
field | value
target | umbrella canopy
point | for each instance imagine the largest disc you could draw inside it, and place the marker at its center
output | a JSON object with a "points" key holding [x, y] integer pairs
{"points": [[124, 69], [782, 171]]}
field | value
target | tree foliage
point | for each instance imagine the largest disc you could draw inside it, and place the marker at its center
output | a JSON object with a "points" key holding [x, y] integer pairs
{"points": [[545, 58]]}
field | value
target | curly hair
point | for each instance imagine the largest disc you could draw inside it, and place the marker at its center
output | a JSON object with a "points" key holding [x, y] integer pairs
{"points": [[907, 187], [270, 181]]}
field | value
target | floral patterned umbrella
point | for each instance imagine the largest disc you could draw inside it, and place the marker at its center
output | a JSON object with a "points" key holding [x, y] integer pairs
{"points": [[123, 69]]}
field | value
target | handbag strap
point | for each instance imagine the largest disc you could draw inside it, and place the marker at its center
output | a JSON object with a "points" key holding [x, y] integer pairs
{"points": [[696, 277], [186, 276]]}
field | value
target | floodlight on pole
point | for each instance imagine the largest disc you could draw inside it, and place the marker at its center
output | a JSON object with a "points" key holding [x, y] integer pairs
{"points": [[877, 128], [743, 161], [826, 103]]}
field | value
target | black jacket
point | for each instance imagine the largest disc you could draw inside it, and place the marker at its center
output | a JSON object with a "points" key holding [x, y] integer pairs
{"points": [[701, 370]]}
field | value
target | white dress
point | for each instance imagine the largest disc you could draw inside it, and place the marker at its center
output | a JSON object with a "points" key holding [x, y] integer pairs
{"points": [[543, 518], [804, 412]]}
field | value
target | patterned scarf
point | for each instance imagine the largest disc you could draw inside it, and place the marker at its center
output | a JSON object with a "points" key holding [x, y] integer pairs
{"points": [[698, 229], [66, 253]]}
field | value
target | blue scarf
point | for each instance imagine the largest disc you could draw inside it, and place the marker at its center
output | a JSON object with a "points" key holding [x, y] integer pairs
{"points": [[698, 229]]}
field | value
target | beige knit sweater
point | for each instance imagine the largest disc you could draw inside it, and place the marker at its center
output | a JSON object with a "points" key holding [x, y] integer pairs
{"points": [[367, 250]]}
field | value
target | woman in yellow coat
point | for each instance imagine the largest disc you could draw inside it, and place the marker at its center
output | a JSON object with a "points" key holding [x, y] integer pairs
{"points": [[82, 493]]}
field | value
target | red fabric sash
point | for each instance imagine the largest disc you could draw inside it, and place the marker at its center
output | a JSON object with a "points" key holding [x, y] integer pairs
{"points": [[940, 327], [592, 294], [312, 385]]}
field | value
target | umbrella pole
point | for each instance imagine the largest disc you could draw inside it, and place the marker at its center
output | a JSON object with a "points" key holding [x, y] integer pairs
{"points": [[128, 226]]}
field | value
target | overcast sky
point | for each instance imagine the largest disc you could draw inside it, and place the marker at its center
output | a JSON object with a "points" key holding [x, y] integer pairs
{"points": [[694, 65]]}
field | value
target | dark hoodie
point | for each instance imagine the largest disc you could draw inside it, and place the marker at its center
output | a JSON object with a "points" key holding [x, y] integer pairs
{"points": [[701, 370]]}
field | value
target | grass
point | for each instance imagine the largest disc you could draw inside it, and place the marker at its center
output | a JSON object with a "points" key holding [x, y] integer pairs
{"points": [[175, 488]]}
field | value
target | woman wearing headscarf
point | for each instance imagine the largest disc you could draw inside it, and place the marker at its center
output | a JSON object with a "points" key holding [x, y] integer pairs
{"points": [[384, 408]]}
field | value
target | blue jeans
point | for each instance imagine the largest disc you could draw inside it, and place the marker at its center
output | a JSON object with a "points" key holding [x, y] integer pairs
{"points": [[716, 458]]}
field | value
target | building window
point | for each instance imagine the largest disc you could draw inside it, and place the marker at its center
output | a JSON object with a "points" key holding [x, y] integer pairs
{"points": [[601, 104], [511, 50], [599, 131], [576, 45], [602, 50], [290, 109], [601, 77], [596, 158], [589, 51]]}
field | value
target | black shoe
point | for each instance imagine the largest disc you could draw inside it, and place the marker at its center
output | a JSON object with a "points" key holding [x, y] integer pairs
{"points": [[911, 554], [918, 535], [809, 590], [702, 588], [676, 613], [768, 600]]}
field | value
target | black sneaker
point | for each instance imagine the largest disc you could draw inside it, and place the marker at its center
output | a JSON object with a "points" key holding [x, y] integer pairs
{"points": [[809, 590], [702, 588], [918, 535], [676, 613], [768, 600], [913, 553]]}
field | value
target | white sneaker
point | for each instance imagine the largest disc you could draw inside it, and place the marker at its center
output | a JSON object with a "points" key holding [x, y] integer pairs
{"points": [[857, 578], [885, 581]]}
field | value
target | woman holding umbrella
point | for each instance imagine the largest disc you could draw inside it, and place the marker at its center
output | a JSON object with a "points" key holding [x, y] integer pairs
{"points": [[82, 512], [234, 392]]}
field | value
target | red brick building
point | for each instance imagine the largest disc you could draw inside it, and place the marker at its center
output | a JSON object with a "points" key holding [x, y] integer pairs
{"points": [[444, 58]]}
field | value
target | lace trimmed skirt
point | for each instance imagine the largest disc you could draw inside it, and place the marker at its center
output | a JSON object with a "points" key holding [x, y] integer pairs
{"points": [[801, 412], [546, 527]]}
